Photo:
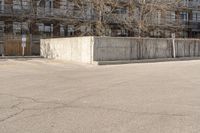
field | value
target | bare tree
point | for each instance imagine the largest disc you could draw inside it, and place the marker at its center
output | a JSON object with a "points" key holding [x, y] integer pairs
{"points": [[141, 16], [147, 15], [100, 17]]}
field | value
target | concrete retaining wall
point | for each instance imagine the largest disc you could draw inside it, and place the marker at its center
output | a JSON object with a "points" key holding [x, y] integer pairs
{"points": [[71, 49], [111, 49], [89, 49]]}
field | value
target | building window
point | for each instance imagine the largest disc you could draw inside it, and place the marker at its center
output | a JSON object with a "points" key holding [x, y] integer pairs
{"points": [[184, 16], [1, 26], [16, 27], [26, 4], [63, 4], [40, 27], [20, 27], [70, 30], [120, 10], [45, 29], [196, 16], [172, 16], [1, 6], [16, 4], [62, 30], [48, 5], [21, 4]]}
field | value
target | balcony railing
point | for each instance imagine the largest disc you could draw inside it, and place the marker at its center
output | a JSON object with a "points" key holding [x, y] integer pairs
{"points": [[41, 12], [71, 13], [189, 4], [14, 10]]}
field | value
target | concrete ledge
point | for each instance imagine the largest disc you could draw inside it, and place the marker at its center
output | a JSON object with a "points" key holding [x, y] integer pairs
{"points": [[144, 61]]}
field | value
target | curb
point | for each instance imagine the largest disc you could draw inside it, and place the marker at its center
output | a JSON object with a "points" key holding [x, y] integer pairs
{"points": [[19, 57], [145, 61]]}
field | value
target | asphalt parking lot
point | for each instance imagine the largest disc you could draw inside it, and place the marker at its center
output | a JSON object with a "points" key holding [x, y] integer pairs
{"points": [[46, 96]]}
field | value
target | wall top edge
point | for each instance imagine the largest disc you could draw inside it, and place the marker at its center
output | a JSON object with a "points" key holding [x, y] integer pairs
{"points": [[137, 38], [68, 38], [146, 38]]}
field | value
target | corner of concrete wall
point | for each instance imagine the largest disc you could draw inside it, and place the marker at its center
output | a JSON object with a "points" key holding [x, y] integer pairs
{"points": [[45, 48], [92, 42], [41, 47]]}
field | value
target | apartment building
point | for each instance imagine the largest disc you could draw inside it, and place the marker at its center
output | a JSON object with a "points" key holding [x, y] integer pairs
{"points": [[66, 18], [188, 16], [182, 19], [194, 18], [36, 19]]}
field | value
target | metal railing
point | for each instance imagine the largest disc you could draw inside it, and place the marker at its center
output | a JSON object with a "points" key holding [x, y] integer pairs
{"points": [[23, 11]]}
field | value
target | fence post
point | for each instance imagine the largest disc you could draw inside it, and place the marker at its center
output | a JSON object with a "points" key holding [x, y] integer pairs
{"points": [[23, 44], [173, 45]]}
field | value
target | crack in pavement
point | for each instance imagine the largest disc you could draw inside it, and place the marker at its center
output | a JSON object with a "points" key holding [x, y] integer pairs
{"points": [[31, 99], [11, 107], [11, 116], [59, 105]]}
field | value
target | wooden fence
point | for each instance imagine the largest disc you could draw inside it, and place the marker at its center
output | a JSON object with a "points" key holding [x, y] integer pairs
{"points": [[12, 46]]}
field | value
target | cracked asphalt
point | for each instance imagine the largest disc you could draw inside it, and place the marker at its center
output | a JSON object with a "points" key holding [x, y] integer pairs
{"points": [[47, 96]]}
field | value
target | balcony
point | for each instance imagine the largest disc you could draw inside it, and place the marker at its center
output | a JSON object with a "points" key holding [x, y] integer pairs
{"points": [[10, 10], [41, 12], [189, 4]]}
